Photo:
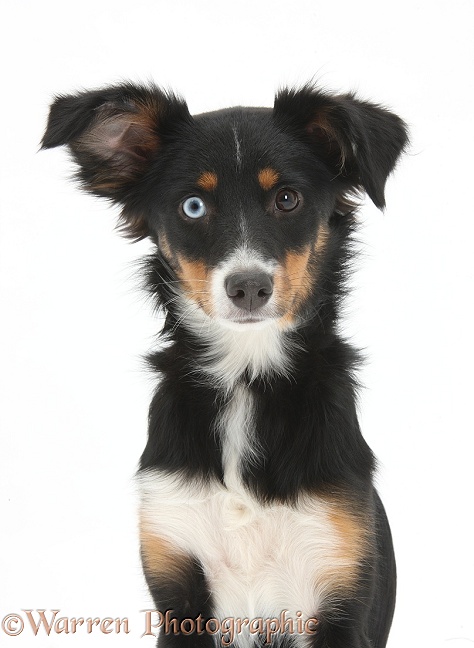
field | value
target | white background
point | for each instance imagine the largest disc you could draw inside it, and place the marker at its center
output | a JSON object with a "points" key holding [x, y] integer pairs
{"points": [[74, 394]]}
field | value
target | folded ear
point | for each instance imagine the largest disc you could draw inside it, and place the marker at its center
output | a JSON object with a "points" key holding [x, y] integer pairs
{"points": [[359, 141], [114, 134]]}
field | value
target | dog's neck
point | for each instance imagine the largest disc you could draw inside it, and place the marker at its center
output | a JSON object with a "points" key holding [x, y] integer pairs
{"points": [[237, 397], [228, 354]]}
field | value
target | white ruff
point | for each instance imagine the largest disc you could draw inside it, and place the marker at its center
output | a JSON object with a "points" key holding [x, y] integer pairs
{"points": [[261, 348], [259, 351]]}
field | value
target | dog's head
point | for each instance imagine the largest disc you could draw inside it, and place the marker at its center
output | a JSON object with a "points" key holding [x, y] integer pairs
{"points": [[248, 207]]}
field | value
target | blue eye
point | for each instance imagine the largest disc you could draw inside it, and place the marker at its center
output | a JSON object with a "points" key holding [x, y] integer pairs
{"points": [[194, 207]]}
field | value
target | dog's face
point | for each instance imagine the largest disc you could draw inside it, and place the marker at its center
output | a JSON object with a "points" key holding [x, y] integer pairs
{"points": [[240, 211], [240, 202]]}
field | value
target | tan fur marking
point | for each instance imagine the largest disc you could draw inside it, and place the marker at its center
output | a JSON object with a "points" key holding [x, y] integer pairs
{"points": [[195, 278], [207, 181], [160, 559], [322, 239], [352, 545], [267, 178], [287, 320], [294, 281], [296, 267], [164, 246]]}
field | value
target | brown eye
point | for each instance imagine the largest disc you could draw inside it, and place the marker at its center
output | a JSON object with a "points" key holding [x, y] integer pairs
{"points": [[286, 200]]}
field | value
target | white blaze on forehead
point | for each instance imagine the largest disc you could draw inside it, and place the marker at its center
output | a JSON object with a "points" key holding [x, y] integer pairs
{"points": [[238, 148], [243, 230]]}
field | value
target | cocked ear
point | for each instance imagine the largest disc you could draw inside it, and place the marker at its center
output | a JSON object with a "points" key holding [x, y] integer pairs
{"points": [[359, 141], [114, 134]]}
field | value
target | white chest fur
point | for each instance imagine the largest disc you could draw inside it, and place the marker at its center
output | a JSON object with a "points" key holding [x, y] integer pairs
{"points": [[258, 560], [236, 429]]}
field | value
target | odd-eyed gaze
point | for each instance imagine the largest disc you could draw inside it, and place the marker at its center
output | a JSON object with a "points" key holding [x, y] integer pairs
{"points": [[194, 207], [287, 200]]}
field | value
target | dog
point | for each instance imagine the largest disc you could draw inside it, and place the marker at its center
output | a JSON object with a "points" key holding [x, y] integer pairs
{"points": [[257, 495]]}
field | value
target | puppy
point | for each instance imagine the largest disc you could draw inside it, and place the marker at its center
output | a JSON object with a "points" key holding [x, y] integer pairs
{"points": [[257, 495]]}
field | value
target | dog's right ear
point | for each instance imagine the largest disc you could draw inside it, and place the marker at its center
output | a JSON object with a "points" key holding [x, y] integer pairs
{"points": [[114, 134]]}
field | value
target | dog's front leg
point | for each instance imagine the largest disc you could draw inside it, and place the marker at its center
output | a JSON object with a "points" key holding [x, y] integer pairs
{"points": [[183, 610], [181, 595], [346, 629], [333, 635]]}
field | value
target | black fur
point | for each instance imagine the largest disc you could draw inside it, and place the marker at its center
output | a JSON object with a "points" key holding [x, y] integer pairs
{"points": [[140, 147]]}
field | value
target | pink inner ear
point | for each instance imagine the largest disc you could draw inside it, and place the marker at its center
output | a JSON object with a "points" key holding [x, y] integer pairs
{"points": [[127, 139]]}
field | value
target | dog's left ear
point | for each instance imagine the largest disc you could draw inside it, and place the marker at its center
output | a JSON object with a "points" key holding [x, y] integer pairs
{"points": [[359, 141]]}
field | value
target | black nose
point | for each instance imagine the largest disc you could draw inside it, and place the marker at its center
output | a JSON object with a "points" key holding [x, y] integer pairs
{"points": [[248, 290]]}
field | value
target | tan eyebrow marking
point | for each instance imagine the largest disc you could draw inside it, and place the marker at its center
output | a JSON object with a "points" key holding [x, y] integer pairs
{"points": [[207, 181], [267, 178]]}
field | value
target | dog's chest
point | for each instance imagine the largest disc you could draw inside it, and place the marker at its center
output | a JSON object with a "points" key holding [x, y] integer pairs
{"points": [[258, 559]]}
